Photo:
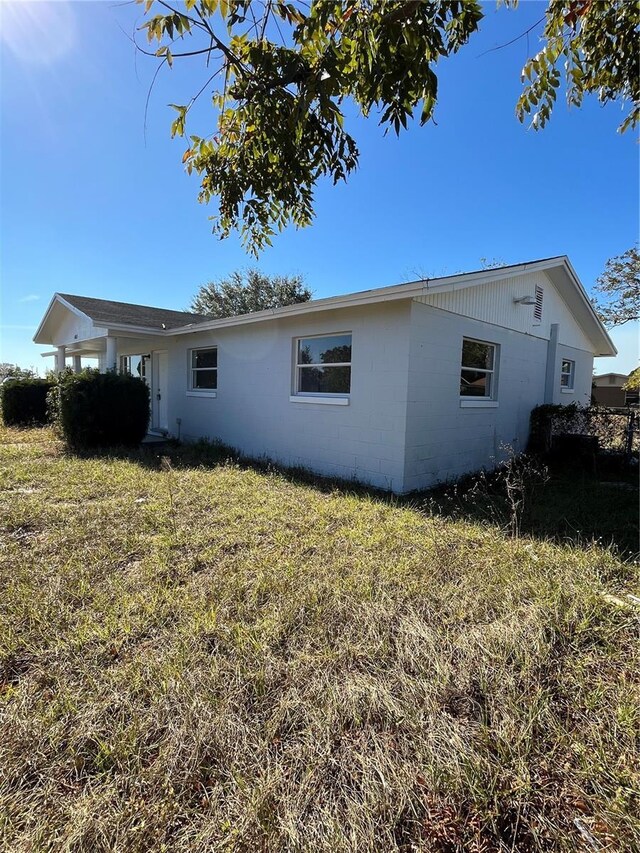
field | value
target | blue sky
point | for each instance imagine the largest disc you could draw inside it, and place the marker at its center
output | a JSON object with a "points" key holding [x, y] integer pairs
{"points": [[91, 205]]}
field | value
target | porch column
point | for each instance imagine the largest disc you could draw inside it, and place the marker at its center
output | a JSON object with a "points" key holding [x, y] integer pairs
{"points": [[77, 363], [111, 357], [60, 359]]}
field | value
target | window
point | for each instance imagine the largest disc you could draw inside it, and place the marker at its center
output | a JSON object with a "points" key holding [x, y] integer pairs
{"points": [[477, 376], [204, 369], [323, 364], [567, 374], [136, 365]]}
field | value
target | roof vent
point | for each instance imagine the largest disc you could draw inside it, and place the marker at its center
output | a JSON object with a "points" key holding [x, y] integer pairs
{"points": [[537, 311]]}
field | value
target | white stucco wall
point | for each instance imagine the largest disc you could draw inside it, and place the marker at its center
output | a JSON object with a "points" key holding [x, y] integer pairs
{"points": [[252, 410]]}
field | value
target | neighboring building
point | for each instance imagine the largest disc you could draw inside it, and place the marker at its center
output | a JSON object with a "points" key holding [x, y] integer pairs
{"points": [[400, 387], [607, 390]]}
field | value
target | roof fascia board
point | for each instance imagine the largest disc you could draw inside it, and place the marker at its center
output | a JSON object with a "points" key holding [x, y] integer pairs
{"points": [[589, 322], [466, 280], [112, 328], [587, 302], [73, 308], [44, 319], [381, 294], [386, 294]]}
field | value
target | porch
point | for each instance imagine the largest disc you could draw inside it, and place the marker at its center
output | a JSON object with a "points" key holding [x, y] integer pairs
{"points": [[145, 357]]}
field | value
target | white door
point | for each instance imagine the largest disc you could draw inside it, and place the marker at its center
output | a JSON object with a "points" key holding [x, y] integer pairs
{"points": [[159, 411]]}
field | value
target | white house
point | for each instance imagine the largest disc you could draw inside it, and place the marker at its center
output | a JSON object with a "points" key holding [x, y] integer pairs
{"points": [[399, 387]]}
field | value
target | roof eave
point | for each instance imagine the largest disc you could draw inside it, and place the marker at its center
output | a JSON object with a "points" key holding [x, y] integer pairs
{"points": [[382, 294], [603, 345], [386, 294]]}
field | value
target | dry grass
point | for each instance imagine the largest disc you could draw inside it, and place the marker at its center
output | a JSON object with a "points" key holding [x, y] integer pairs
{"points": [[277, 668]]}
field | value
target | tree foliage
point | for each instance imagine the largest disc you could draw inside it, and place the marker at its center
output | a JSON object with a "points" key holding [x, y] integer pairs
{"points": [[618, 289], [280, 73], [633, 381], [283, 72], [246, 291], [597, 44], [15, 371]]}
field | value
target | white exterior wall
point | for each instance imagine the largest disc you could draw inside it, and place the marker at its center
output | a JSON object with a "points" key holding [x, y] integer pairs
{"points": [[252, 411], [404, 428], [71, 328], [446, 440], [581, 392], [493, 303]]}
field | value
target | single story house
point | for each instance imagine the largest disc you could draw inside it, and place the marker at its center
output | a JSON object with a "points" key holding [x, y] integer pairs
{"points": [[400, 387], [607, 390]]}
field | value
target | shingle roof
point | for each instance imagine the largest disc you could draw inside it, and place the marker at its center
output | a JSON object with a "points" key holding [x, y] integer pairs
{"points": [[109, 312]]}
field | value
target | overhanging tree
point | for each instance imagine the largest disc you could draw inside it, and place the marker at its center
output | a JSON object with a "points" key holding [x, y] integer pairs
{"points": [[281, 72], [243, 292], [618, 289]]}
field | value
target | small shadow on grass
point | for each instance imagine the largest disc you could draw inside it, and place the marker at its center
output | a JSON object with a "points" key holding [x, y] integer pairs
{"points": [[563, 503]]}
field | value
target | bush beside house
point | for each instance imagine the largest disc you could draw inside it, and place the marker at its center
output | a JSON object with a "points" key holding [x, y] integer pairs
{"points": [[93, 409], [24, 401]]}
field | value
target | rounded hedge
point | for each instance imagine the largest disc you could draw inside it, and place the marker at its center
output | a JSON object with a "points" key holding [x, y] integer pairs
{"points": [[24, 401], [101, 409]]}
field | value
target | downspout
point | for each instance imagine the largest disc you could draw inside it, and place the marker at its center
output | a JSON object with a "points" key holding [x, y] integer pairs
{"points": [[552, 358]]}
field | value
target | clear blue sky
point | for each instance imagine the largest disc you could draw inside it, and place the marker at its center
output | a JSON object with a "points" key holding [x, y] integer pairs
{"points": [[89, 206]]}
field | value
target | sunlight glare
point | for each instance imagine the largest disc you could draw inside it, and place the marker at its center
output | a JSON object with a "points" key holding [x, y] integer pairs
{"points": [[38, 33]]}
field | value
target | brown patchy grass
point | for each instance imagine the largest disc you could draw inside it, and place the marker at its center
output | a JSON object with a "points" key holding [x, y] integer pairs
{"points": [[273, 667]]}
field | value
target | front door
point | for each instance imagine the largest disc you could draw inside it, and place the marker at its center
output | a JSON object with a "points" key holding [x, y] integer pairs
{"points": [[159, 411]]}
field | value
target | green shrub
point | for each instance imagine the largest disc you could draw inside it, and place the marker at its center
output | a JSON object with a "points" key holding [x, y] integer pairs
{"points": [[101, 409], [24, 401]]}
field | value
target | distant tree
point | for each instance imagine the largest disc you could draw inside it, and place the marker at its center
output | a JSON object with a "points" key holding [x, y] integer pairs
{"points": [[13, 370], [279, 76], [246, 291], [633, 382], [618, 289]]}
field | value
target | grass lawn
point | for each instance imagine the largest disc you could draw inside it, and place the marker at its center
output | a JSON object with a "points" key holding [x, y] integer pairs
{"points": [[223, 659]]}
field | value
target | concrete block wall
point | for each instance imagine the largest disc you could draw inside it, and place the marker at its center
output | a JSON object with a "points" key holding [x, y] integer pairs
{"points": [[581, 391], [252, 410], [445, 440], [404, 428]]}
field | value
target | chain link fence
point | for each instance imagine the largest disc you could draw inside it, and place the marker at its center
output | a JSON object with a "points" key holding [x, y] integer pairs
{"points": [[594, 429]]}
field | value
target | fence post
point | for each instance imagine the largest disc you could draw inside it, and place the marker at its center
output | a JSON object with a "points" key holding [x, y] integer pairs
{"points": [[628, 445]]}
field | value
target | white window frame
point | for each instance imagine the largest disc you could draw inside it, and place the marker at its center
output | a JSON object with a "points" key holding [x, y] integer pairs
{"points": [[192, 391], [125, 361], [489, 401], [339, 398], [567, 388]]}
